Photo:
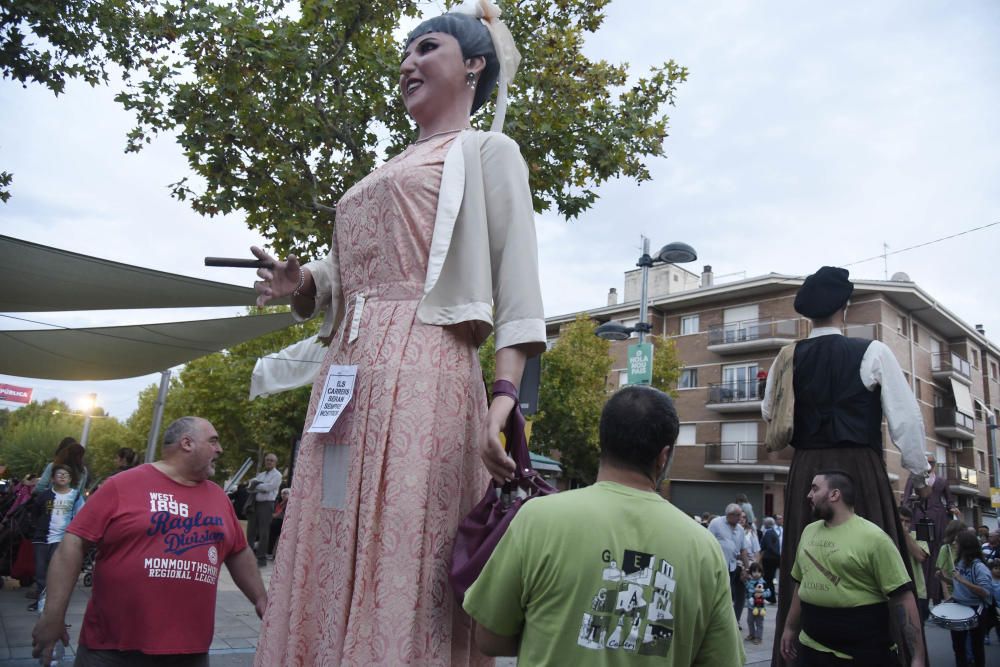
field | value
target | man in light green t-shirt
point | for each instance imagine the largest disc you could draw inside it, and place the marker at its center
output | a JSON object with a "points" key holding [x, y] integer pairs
{"points": [[853, 596], [612, 574]]}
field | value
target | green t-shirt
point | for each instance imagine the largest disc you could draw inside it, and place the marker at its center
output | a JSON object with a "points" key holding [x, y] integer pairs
{"points": [[945, 560], [918, 569], [608, 575], [850, 565]]}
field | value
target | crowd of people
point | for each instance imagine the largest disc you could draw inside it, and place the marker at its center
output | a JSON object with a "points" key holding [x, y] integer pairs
{"points": [[432, 252]]}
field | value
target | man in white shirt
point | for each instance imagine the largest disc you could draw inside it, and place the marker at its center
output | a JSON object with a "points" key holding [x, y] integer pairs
{"points": [[732, 538], [843, 387], [264, 488]]}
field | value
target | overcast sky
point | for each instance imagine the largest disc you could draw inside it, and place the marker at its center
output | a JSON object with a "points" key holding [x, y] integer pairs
{"points": [[805, 135]]}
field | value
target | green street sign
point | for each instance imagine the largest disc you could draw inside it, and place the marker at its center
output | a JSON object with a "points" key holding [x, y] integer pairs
{"points": [[640, 363]]}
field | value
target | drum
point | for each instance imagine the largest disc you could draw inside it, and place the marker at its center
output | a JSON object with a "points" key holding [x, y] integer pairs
{"points": [[954, 616]]}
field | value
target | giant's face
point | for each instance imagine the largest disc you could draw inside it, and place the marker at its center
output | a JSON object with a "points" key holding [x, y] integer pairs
{"points": [[432, 76]]}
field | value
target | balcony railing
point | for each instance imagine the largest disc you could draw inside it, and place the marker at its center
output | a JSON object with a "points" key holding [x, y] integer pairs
{"points": [[751, 330], [734, 452], [959, 475], [953, 418], [866, 331], [735, 392], [945, 362]]}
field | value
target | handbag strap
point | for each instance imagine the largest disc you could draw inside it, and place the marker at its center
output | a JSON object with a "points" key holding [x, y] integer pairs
{"points": [[513, 430]]}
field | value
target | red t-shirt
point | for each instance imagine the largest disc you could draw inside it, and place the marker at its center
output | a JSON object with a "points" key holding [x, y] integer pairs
{"points": [[160, 548]]}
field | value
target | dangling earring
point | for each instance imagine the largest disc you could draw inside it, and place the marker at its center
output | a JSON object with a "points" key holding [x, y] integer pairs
{"points": [[470, 79]]}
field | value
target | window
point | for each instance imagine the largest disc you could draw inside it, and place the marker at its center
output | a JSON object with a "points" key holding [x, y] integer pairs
{"points": [[916, 333], [982, 460], [688, 379], [975, 358], [977, 408], [622, 378], [994, 370], [938, 400], [689, 324], [916, 389], [676, 278], [739, 382], [900, 325], [687, 435]]}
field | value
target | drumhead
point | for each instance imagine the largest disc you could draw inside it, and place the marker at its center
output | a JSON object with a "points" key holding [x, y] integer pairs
{"points": [[953, 611]]}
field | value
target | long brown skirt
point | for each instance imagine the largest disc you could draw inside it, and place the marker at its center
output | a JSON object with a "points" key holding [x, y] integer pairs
{"points": [[874, 501]]}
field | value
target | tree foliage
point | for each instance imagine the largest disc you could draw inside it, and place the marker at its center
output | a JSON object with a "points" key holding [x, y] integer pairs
{"points": [[31, 433], [217, 388], [666, 364], [572, 394], [279, 106]]}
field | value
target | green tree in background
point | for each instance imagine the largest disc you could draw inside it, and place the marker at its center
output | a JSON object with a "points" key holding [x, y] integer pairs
{"points": [[666, 364], [217, 388], [279, 106], [32, 433], [573, 392]]}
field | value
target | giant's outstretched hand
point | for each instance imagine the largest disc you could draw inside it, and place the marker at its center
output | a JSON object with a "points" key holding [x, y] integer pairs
{"points": [[276, 280]]}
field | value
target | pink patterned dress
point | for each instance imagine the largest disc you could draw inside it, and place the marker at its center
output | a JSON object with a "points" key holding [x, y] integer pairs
{"points": [[361, 570]]}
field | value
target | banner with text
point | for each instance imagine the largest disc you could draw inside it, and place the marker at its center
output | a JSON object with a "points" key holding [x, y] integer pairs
{"points": [[9, 392], [640, 363]]}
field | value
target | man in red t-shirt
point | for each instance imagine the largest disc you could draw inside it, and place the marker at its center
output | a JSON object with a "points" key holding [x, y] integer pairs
{"points": [[162, 531]]}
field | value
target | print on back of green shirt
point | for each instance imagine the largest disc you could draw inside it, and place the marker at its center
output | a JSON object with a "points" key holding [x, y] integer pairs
{"points": [[627, 597]]}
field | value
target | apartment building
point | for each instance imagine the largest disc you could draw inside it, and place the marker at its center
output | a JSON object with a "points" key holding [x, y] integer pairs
{"points": [[726, 334]]}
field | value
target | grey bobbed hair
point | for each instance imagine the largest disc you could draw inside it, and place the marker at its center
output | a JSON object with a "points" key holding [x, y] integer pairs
{"points": [[475, 40]]}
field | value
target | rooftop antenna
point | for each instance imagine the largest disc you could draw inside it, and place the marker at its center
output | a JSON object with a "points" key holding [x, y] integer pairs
{"points": [[885, 259]]}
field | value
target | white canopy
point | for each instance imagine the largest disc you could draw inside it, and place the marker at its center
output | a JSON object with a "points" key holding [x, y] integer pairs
{"points": [[38, 278], [112, 353]]}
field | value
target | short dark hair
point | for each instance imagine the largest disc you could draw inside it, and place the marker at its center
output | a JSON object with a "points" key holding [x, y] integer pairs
{"points": [[636, 424], [64, 468], [843, 482], [178, 429]]}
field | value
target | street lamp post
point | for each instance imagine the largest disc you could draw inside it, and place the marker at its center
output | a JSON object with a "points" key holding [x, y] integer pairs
{"points": [[89, 403], [672, 253]]}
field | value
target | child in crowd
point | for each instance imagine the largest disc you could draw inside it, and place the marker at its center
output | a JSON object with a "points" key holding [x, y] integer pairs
{"points": [[54, 508], [995, 587], [757, 593], [918, 552], [946, 556]]}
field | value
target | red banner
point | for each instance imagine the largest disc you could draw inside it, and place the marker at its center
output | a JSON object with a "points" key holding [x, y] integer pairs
{"points": [[9, 392]]}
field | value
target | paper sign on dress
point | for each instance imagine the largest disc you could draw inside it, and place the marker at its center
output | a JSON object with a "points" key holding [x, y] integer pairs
{"points": [[337, 392]]}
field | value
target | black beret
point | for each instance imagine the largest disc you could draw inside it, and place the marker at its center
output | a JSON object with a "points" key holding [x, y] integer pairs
{"points": [[823, 293]]}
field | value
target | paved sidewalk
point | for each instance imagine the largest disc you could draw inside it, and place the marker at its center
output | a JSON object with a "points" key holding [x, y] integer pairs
{"points": [[236, 624], [237, 628]]}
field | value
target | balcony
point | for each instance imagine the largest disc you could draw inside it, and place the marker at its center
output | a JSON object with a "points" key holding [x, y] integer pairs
{"points": [[947, 366], [743, 396], [950, 423], [961, 480], [751, 457], [752, 335], [866, 331]]}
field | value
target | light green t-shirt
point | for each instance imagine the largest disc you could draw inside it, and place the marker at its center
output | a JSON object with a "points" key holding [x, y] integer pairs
{"points": [[850, 565], [945, 559], [918, 569], [608, 575]]}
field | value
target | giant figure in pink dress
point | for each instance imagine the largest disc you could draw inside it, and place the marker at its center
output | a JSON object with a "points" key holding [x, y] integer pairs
{"points": [[431, 252]]}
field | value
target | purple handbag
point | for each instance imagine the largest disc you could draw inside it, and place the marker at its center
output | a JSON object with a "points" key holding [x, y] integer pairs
{"points": [[480, 531]]}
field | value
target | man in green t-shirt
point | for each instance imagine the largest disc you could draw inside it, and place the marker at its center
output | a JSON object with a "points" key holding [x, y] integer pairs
{"points": [[852, 597], [612, 574]]}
